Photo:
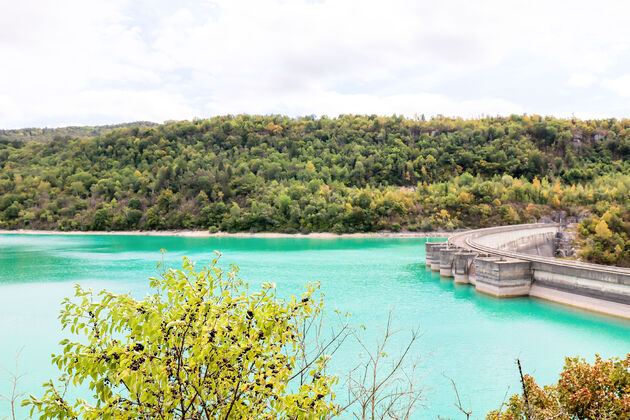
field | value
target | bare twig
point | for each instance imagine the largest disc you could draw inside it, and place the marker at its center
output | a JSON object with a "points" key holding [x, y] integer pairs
{"points": [[498, 412], [528, 412], [384, 392], [458, 404], [14, 378]]}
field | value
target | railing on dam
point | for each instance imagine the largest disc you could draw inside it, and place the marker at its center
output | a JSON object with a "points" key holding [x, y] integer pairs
{"points": [[502, 268]]}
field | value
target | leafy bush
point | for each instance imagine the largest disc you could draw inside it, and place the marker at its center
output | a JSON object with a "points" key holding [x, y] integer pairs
{"points": [[201, 346], [598, 391]]}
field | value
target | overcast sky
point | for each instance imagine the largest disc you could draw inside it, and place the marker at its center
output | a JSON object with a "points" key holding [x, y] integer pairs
{"points": [[83, 62]]}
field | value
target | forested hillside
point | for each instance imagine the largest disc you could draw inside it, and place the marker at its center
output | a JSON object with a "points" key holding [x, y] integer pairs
{"points": [[44, 135], [348, 174]]}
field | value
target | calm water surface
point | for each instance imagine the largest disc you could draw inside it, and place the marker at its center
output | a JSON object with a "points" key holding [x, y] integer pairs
{"points": [[470, 337]]}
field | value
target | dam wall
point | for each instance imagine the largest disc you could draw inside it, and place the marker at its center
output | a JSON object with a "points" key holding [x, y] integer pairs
{"points": [[536, 240], [518, 261]]}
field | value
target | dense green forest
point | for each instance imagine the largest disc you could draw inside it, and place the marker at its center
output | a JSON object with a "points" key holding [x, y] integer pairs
{"points": [[346, 174]]}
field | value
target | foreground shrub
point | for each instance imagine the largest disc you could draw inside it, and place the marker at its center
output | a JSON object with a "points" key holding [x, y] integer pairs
{"points": [[201, 346], [598, 391]]}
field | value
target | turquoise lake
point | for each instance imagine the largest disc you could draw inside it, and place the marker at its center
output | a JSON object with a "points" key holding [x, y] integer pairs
{"points": [[467, 336]]}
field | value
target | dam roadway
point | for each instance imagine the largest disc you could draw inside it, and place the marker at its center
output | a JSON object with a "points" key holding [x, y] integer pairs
{"points": [[519, 260]]}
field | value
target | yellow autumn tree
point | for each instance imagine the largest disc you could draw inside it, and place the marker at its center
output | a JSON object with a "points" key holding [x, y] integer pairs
{"points": [[602, 231], [532, 212]]}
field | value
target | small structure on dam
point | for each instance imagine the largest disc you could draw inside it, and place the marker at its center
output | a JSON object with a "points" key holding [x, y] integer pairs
{"points": [[519, 261]]}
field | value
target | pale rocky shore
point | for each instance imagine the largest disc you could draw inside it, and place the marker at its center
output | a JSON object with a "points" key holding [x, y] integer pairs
{"points": [[206, 234]]}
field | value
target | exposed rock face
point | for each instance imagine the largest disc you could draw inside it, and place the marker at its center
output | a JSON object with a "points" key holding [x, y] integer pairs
{"points": [[555, 217], [564, 243]]}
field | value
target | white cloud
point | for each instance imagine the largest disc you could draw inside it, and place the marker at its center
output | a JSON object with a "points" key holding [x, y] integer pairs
{"points": [[619, 85], [331, 103], [73, 61], [144, 105], [581, 79], [9, 111]]}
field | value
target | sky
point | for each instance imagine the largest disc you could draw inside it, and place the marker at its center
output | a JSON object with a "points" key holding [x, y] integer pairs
{"points": [[90, 62]]}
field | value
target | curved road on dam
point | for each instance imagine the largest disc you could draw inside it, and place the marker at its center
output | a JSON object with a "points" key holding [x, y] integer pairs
{"points": [[512, 261], [466, 240]]}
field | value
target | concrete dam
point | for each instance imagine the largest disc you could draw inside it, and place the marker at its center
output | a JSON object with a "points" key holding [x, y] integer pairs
{"points": [[519, 260]]}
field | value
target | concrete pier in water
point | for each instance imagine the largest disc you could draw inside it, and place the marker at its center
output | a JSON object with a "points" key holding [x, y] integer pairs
{"points": [[447, 255], [463, 261], [518, 261], [433, 254]]}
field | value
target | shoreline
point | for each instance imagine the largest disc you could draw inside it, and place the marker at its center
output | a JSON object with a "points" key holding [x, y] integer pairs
{"points": [[206, 234]]}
